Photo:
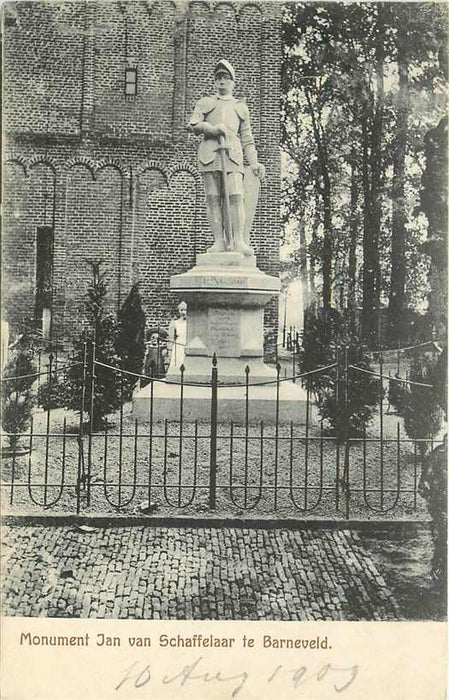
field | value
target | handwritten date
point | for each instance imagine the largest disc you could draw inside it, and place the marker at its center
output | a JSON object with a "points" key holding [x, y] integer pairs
{"points": [[339, 678]]}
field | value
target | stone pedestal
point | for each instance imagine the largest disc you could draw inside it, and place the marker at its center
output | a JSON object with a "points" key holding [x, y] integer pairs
{"points": [[225, 294]]}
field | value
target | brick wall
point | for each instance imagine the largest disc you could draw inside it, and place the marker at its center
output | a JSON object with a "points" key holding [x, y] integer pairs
{"points": [[117, 176]]}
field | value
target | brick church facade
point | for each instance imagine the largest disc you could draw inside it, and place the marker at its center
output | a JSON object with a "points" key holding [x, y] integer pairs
{"points": [[99, 164]]}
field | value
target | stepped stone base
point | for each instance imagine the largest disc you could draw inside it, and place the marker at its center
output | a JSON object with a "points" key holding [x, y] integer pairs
{"points": [[231, 403], [225, 294]]}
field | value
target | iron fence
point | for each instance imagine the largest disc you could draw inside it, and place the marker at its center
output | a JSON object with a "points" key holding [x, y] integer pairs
{"points": [[206, 468]]}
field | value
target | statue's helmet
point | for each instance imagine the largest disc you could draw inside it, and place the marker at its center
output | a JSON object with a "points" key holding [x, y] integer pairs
{"points": [[224, 65]]}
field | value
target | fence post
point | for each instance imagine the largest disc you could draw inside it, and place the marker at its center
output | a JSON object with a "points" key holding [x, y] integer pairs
{"points": [[247, 373], [294, 362], [39, 354], [91, 419], [81, 476], [213, 435], [337, 443], [181, 429], [381, 428], [345, 432], [48, 422], [337, 375]]}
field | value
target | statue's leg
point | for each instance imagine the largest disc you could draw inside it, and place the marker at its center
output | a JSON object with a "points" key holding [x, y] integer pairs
{"points": [[237, 207], [212, 186], [216, 223]]}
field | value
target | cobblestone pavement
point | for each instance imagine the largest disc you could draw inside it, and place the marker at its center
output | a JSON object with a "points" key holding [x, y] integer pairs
{"points": [[191, 573]]}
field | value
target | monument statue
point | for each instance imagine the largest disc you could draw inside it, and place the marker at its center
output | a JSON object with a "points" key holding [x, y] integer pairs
{"points": [[225, 291], [231, 186]]}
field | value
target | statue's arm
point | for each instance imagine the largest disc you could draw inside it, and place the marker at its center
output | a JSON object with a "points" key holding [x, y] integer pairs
{"points": [[247, 141], [198, 123], [246, 135]]}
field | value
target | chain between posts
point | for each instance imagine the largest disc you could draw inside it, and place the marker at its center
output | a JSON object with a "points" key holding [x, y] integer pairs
{"points": [[347, 445]]}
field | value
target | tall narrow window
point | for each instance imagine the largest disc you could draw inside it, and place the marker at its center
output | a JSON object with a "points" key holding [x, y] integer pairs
{"points": [[44, 274], [130, 82]]}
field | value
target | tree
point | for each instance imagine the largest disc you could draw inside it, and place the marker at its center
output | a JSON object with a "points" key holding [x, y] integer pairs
{"points": [[101, 339], [434, 204], [360, 85], [352, 254], [396, 304], [373, 124]]}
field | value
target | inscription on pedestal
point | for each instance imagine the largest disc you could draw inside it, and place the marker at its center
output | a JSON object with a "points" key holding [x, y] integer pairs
{"points": [[224, 333], [223, 282]]}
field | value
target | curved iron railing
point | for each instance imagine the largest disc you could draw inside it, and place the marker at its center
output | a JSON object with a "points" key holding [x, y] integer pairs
{"points": [[273, 468]]}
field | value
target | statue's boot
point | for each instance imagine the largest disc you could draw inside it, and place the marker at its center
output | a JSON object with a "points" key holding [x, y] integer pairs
{"points": [[242, 247], [215, 217], [217, 247]]}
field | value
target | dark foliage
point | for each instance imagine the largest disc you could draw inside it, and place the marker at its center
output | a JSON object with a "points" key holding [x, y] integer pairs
{"points": [[397, 395], [53, 394], [103, 332], [16, 416], [423, 415], [131, 337], [434, 203], [324, 340], [349, 411], [17, 397], [323, 331], [424, 411], [433, 488]]}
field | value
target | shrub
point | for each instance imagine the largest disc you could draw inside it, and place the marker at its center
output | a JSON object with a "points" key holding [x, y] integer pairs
{"points": [[323, 334], [319, 339], [433, 488], [17, 398], [104, 330], [16, 416], [20, 365], [397, 395], [363, 396], [53, 394], [423, 415]]}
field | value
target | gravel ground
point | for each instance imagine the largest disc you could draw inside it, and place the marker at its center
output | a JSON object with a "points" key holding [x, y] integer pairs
{"points": [[173, 475]]}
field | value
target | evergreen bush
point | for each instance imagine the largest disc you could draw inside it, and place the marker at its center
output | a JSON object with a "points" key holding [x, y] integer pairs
{"points": [[323, 334], [397, 395], [17, 396], [319, 340], [423, 414], [53, 394], [103, 331], [20, 365]]}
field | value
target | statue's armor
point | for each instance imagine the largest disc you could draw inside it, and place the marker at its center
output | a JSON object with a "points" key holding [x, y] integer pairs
{"points": [[221, 160], [210, 111]]}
